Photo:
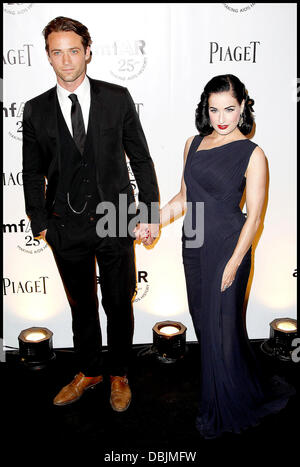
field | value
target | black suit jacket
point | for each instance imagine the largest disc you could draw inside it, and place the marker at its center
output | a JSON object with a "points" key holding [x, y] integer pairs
{"points": [[116, 129]]}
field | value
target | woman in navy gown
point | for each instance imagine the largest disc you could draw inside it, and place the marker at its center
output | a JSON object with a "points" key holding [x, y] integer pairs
{"points": [[219, 163]]}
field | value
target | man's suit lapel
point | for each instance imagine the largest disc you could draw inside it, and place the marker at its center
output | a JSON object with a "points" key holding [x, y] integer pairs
{"points": [[95, 122], [52, 126], [95, 117]]}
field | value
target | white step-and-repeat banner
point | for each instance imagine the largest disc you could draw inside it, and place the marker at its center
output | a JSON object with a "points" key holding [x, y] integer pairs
{"points": [[164, 54]]}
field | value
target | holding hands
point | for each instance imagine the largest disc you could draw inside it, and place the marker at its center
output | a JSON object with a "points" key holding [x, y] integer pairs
{"points": [[43, 234], [146, 233]]}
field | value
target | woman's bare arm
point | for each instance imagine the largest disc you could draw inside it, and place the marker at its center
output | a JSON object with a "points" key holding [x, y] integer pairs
{"points": [[256, 175], [177, 205]]}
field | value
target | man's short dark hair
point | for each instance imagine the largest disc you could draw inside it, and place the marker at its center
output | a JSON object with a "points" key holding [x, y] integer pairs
{"points": [[61, 23]]}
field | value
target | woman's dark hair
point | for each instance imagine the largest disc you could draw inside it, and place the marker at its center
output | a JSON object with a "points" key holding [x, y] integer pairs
{"points": [[223, 83], [62, 23]]}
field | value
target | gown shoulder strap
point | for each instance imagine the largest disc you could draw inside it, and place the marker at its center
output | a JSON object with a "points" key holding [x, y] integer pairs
{"points": [[195, 143]]}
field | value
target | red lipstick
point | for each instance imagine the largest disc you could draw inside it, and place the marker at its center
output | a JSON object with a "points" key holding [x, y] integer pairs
{"points": [[222, 127]]}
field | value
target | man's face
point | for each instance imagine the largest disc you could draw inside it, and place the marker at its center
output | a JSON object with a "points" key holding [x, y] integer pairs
{"points": [[67, 56]]}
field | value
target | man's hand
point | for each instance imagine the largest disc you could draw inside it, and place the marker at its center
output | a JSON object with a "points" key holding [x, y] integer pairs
{"points": [[43, 234], [147, 233]]}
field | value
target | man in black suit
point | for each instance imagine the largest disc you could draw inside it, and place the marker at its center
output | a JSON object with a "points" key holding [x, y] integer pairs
{"points": [[76, 136]]}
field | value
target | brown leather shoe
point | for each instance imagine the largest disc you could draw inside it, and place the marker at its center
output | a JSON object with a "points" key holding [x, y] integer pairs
{"points": [[120, 395], [74, 390]]}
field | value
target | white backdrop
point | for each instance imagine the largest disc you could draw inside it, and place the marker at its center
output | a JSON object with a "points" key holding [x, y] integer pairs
{"points": [[165, 54]]}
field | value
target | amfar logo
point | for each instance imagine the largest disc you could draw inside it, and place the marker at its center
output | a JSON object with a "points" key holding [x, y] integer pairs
{"points": [[30, 244], [142, 285], [239, 53], [132, 180], [9, 228], [127, 58], [18, 56], [17, 8], [12, 179], [14, 111], [238, 7], [30, 286]]}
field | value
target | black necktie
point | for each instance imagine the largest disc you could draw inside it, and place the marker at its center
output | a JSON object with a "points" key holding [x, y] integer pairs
{"points": [[77, 123]]}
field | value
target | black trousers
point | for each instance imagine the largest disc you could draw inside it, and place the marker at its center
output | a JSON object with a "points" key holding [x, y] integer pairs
{"points": [[76, 248]]}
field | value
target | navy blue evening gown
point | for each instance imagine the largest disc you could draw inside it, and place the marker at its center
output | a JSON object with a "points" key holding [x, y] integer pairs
{"points": [[234, 393]]}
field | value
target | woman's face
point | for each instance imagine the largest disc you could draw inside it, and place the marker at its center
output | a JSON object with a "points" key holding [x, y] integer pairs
{"points": [[224, 112]]}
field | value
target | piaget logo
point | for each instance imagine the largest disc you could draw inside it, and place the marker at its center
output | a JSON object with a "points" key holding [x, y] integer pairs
{"points": [[23, 287], [233, 53], [16, 57], [12, 179], [17, 8]]}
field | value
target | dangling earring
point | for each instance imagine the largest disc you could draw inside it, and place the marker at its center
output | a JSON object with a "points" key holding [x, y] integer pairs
{"points": [[210, 124], [241, 120]]}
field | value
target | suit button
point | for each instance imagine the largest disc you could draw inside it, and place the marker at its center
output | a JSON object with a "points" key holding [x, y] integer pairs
{"points": [[86, 180]]}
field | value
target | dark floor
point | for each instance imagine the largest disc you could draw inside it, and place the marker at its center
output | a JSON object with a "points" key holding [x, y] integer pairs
{"points": [[159, 421]]}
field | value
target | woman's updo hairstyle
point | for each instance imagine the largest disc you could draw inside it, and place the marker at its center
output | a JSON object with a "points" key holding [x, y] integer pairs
{"points": [[223, 83]]}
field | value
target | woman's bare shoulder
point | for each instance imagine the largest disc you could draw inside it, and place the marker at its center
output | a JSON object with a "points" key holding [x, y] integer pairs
{"points": [[257, 162], [258, 154], [188, 145]]}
